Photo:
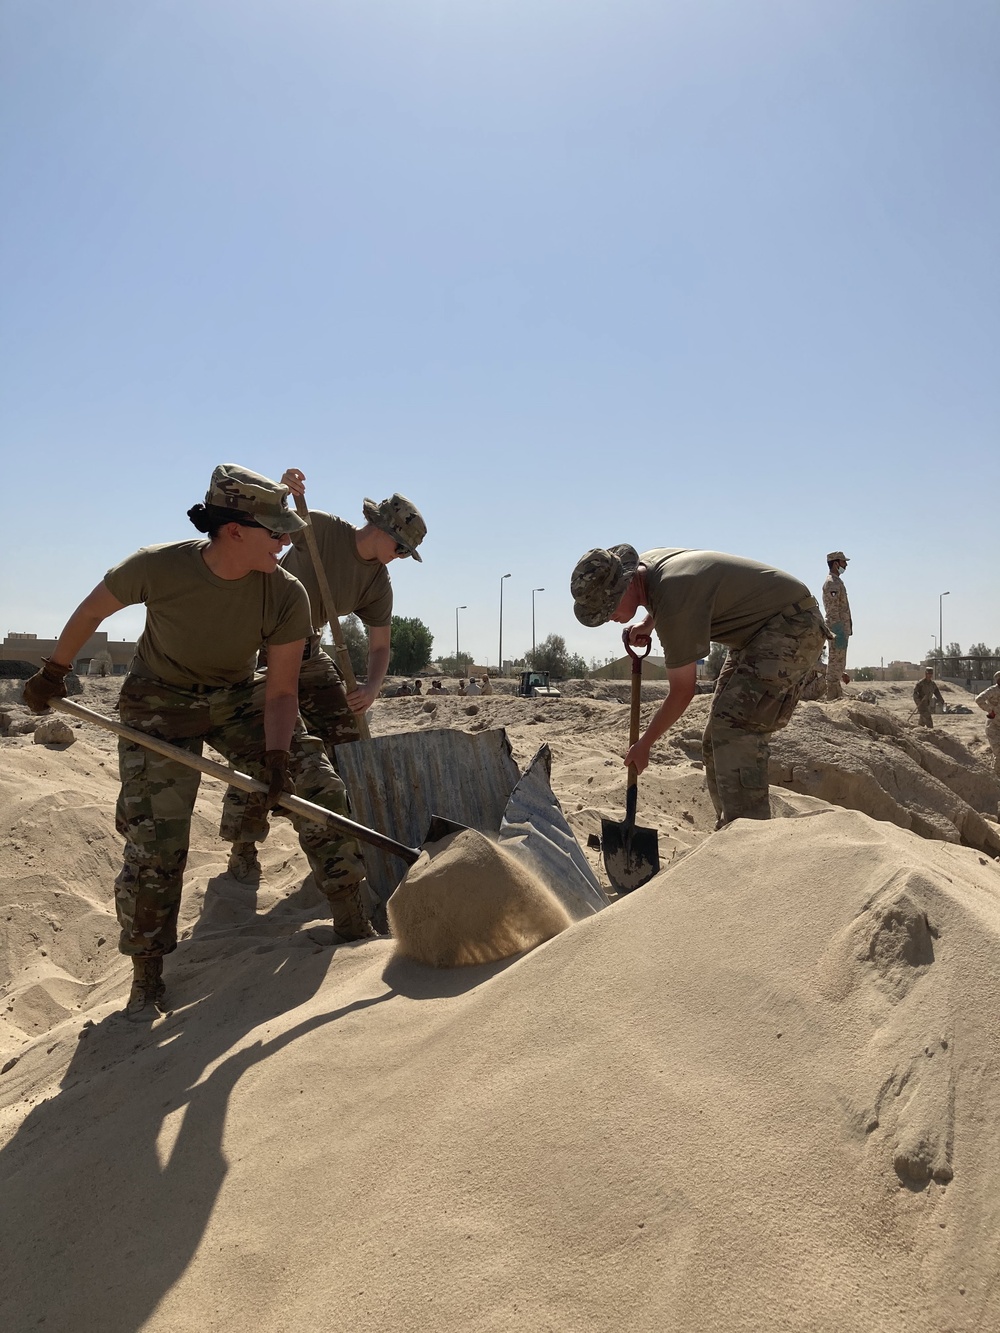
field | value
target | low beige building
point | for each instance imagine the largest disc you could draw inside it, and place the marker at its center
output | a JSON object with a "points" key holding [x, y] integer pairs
{"points": [[30, 648]]}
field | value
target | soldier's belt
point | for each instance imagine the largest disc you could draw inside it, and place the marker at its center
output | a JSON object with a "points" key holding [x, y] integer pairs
{"points": [[807, 604]]}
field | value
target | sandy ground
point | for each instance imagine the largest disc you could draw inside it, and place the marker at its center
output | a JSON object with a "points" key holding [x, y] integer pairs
{"points": [[758, 1094]]}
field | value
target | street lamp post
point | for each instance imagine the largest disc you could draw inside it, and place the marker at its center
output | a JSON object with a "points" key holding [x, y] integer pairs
{"points": [[941, 624], [500, 653], [457, 609], [533, 591]]}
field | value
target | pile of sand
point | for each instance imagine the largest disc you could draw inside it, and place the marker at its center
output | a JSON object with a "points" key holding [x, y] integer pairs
{"points": [[467, 901], [759, 1093], [862, 757]]}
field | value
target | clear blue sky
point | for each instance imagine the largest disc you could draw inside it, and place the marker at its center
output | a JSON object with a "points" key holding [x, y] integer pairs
{"points": [[715, 273]]}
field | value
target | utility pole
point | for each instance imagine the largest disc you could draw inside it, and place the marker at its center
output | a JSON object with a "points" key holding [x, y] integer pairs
{"points": [[500, 651], [457, 609], [533, 591]]}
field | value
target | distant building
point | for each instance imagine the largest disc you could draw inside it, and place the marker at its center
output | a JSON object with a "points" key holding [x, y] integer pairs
{"points": [[30, 648], [653, 668]]}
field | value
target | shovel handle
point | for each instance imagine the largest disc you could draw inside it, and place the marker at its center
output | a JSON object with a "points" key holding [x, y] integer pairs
{"points": [[633, 720], [330, 611], [307, 809]]}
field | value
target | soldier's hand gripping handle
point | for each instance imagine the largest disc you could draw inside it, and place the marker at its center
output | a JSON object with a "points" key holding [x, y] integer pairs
{"points": [[49, 683], [277, 778]]}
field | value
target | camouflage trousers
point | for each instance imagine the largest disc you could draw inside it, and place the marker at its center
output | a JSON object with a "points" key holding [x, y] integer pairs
{"points": [[836, 666], [323, 708], [924, 715], [158, 794], [993, 740], [755, 695]]}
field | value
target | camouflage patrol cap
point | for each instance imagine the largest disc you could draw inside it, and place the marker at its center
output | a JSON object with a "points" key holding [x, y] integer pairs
{"points": [[836, 555], [249, 494], [996, 677], [599, 581], [400, 519]]}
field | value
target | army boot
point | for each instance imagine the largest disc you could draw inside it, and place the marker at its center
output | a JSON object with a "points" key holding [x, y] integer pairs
{"points": [[147, 988], [350, 917], [244, 863]]}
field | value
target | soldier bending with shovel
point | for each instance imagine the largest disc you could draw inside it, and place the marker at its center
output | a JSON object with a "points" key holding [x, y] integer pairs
{"points": [[767, 619]]}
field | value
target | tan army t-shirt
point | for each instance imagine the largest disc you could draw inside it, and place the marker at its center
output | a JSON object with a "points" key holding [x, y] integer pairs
{"points": [[361, 587], [698, 596], [200, 629]]}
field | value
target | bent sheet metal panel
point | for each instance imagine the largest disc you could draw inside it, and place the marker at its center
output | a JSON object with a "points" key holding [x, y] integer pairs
{"points": [[397, 782], [534, 827]]}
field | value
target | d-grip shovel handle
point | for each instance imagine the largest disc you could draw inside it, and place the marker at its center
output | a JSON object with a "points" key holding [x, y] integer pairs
{"points": [[633, 721]]}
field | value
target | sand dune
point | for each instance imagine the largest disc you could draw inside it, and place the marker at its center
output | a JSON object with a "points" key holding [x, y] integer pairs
{"points": [[757, 1094]]}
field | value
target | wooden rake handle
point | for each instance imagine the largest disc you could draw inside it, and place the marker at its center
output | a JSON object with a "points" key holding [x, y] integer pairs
{"points": [[307, 809], [330, 612]]}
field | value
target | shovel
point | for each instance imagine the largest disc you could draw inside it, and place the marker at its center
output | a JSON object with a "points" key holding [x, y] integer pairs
{"points": [[439, 827], [631, 855]]}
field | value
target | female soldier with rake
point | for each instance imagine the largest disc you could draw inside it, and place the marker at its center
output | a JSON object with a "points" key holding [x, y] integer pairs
{"points": [[210, 606]]}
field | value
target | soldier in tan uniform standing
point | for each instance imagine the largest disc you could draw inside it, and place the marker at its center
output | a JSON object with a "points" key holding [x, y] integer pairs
{"points": [[924, 692], [355, 562], [837, 611], [989, 702]]}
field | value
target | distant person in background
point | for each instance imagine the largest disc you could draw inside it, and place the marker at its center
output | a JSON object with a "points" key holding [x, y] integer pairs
{"points": [[417, 687], [487, 684], [473, 687], [436, 687], [461, 687], [837, 611], [403, 690], [989, 702], [924, 693]]}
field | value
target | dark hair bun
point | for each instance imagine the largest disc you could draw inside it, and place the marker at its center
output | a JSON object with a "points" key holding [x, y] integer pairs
{"points": [[198, 515]]}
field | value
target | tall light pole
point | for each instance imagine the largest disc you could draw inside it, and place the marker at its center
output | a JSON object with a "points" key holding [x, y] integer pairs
{"points": [[500, 654], [457, 609], [533, 591], [941, 623]]}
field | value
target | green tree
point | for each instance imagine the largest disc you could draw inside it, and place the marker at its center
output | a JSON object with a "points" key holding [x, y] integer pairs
{"points": [[456, 666], [552, 656], [714, 660], [411, 646], [356, 641]]}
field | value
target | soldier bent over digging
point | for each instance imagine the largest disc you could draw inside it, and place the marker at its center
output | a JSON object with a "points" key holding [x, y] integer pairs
{"points": [[210, 607]]}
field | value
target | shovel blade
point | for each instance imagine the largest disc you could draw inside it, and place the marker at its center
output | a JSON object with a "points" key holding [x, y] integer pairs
{"points": [[631, 855], [440, 827]]}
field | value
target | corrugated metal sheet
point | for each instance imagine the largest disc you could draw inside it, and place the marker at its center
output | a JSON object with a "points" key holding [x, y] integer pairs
{"points": [[397, 782], [534, 828]]}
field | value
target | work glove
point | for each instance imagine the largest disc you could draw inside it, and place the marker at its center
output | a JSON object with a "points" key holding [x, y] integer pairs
{"points": [[49, 683], [279, 784], [839, 634]]}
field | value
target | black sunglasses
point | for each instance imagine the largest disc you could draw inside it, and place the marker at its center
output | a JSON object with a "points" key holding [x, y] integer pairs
{"points": [[275, 536]]}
